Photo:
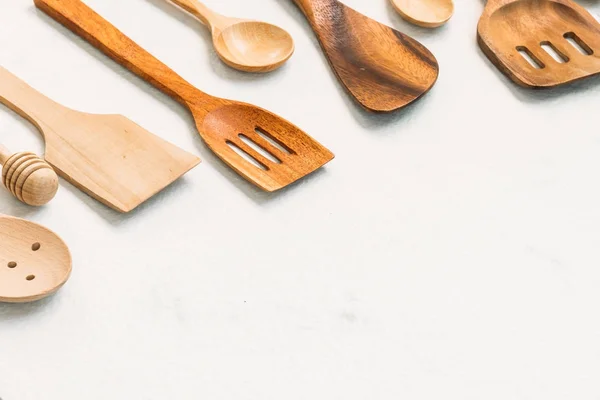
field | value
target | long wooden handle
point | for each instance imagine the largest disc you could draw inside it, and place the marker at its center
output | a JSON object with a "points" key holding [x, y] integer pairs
{"points": [[85, 22], [26, 101], [197, 9], [4, 154], [310, 8]]}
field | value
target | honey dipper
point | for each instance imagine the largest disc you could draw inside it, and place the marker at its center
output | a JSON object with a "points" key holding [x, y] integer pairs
{"points": [[29, 178]]}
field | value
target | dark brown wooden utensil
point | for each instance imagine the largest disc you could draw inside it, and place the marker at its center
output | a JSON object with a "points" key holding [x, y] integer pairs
{"points": [[540, 43], [382, 68], [280, 153]]}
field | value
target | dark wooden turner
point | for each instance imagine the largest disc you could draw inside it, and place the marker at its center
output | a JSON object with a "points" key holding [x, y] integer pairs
{"points": [[540, 43], [261, 146], [383, 69]]}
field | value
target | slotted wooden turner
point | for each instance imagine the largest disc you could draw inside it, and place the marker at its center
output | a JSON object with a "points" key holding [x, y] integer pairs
{"points": [[109, 157], [228, 127], [540, 43], [383, 69]]}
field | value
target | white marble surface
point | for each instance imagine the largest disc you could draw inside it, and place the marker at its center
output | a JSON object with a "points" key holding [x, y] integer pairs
{"points": [[450, 251]]}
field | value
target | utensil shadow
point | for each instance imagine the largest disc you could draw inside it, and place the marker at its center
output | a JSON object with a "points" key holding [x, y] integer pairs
{"points": [[10, 312]]}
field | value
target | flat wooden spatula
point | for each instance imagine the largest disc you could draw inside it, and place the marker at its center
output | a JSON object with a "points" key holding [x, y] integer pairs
{"points": [[383, 69], [261, 146], [109, 157], [540, 43]]}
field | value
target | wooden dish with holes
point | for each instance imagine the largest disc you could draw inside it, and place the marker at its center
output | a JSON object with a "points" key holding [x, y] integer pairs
{"points": [[34, 261], [540, 43]]}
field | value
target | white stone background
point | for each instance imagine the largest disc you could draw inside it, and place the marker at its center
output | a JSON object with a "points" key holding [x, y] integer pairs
{"points": [[450, 251]]}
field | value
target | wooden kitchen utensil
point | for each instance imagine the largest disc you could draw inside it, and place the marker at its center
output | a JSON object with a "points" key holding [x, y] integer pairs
{"points": [[540, 43], [425, 13], [29, 178], [382, 68], [280, 152], [34, 261], [107, 156], [250, 46]]}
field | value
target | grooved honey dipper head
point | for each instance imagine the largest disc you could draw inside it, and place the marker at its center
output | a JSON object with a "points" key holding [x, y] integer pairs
{"points": [[29, 178]]}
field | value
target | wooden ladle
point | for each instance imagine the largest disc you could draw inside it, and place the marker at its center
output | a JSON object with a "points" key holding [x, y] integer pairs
{"points": [[425, 13], [250, 46], [34, 261]]}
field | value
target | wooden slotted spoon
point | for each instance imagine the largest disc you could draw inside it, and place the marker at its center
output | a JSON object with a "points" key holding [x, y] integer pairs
{"points": [[34, 261], [540, 43], [281, 152]]}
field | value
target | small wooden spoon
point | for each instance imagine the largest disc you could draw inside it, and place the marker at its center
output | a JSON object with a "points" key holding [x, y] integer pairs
{"points": [[27, 177], [425, 13], [250, 46], [34, 261]]}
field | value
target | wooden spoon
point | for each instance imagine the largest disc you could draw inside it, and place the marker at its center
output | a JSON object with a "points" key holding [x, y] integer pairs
{"points": [[425, 13], [383, 69], [250, 46], [264, 148], [34, 261], [27, 177]]}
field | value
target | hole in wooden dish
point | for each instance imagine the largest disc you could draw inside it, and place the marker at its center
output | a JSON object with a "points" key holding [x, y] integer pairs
{"points": [[12, 264], [554, 53], [274, 142], [30, 277], [530, 58], [36, 246], [259, 149], [246, 156], [579, 44]]}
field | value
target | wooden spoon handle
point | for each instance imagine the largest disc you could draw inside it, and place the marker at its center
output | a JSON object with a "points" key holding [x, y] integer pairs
{"points": [[26, 101], [85, 22], [198, 10]]}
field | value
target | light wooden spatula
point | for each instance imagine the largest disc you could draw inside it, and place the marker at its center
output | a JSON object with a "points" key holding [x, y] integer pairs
{"points": [[107, 156]]}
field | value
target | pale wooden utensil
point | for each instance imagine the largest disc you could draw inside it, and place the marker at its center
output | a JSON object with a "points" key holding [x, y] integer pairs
{"points": [[107, 156], [250, 46], [425, 13], [280, 152], [540, 43], [34, 261], [383, 69], [27, 177]]}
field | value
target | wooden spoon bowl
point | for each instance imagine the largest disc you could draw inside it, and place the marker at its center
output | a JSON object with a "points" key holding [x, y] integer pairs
{"points": [[425, 13], [254, 46], [34, 261], [250, 46]]}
